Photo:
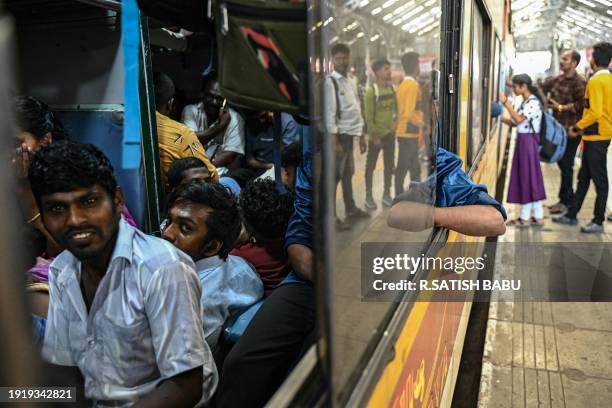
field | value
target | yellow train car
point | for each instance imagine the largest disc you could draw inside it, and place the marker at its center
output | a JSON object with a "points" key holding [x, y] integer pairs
{"points": [[404, 353]]}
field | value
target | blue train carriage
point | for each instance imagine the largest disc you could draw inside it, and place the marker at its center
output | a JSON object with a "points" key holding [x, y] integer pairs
{"points": [[71, 56]]}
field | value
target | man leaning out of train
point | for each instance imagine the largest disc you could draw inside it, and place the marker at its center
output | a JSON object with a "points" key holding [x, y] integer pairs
{"points": [[124, 319], [460, 204]]}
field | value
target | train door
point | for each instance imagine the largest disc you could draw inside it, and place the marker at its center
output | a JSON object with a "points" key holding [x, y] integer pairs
{"points": [[478, 106], [358, 328], [74, 60]]}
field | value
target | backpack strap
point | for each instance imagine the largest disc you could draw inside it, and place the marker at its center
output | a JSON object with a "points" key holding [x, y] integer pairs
{"points": [[337, 93], [376, 96], [278, 136]]}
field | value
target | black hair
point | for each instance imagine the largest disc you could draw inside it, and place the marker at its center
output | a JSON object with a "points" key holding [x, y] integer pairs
{"points": [[35, 117], [524, 79], [340, 48], [164, 89], [292, 155], [575, 56], [178, 167], [602, 54], [66, 166], [266, 209], [379, 63], [410, 62], [223, 223], [206, 80]]}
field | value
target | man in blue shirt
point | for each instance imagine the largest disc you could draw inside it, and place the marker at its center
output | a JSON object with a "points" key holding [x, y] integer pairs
{"points": [[204, 222], [259, 155]]}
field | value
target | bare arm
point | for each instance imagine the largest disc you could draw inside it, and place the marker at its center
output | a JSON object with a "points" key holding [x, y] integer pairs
{"points": [[410, 216], [224, 158], [300, 258], [257, 165], [182, 390], [473, 220], [210, 133], [507, 122]]}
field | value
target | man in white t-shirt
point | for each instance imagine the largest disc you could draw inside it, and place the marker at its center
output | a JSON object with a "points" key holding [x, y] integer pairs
{"points": [[220, 129]]}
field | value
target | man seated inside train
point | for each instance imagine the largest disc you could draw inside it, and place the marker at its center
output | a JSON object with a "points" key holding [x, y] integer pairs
{"points": [[266, 213], [448, 199], [284, 327], [259, 157], [220, 128], [175, 140], [204, 222], [124, 317]]}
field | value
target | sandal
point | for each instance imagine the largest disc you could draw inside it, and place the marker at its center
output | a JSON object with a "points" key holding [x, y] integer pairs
{"points": [[518, 222], [537, 222]]}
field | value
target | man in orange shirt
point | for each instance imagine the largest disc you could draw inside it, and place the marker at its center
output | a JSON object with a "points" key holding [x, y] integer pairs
{"points": [[176, 141], [409, 123]]}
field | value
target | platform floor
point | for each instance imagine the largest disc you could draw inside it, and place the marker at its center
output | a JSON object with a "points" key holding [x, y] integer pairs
{"points": [[549, 354]]}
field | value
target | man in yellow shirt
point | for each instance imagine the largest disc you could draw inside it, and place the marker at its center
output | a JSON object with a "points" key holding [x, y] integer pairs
{"points": [[176, 141], [596, 128], [409, 123]]}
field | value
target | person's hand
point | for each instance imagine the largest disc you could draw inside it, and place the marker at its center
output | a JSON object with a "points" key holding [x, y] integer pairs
{"points": [[503, 98], [339, 149], [363, 146], [21, 161], [553, 104], [376, 143], [224, 118], [573, 132]]}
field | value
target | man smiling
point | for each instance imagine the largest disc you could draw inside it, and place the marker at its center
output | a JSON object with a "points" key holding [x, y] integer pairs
{"points": [[124, 306]]}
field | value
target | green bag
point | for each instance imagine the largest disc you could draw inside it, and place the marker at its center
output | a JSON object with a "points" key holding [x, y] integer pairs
{"points": [[263, 54]]}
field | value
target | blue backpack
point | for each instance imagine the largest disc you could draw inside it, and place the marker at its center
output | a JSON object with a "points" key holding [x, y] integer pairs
{"points": [[553, 139]]}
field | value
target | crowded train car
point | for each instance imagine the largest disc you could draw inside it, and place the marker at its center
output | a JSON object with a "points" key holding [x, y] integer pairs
{"points": [[198, 185]]}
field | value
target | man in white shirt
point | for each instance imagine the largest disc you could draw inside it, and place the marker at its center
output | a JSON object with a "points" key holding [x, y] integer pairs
{"points": [[220, 130], [343, 120], [124, 314], [204, 222]]}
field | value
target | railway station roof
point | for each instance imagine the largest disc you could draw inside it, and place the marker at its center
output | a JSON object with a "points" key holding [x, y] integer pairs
{"points": [[570, 23]]}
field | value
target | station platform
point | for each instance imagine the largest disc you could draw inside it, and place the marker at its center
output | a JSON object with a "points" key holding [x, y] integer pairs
{"points": [[549, 354]]}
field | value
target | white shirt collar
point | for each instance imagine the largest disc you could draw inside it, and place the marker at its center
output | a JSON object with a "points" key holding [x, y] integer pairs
{"points": [[601, 71]]}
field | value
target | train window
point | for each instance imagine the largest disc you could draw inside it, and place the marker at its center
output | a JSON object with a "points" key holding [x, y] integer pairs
{"points": [[478, 88], [496, 74], [376, 61]]}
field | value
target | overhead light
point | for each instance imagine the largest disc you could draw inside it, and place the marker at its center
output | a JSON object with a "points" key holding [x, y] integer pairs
{"points": [[389, 3], [414, 29], [609, 12], [376, 37], [428, 29], [388, 17], [364, 3], [359, 35], [407, 15], [430, 3], [376, 11], [587, 3], [605, 3]]}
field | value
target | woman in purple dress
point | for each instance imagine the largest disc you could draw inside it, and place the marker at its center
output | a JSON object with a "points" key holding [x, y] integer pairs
{"points": [[526, 181]]}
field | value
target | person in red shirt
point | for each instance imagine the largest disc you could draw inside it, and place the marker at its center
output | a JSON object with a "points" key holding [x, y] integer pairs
{"points": [[266, 214]]}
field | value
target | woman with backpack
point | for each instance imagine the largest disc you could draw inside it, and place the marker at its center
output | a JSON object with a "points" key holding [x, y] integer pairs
{"points": [[526, 181]]}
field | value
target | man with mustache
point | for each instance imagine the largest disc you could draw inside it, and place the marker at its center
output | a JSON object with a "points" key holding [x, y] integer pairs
{"points": [[124, 312], [566, 98]]}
